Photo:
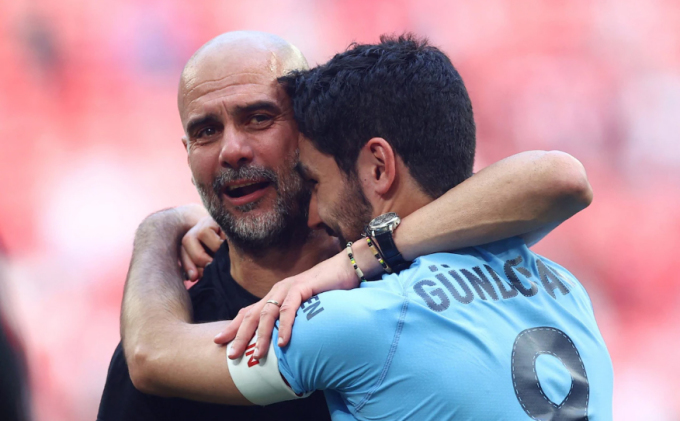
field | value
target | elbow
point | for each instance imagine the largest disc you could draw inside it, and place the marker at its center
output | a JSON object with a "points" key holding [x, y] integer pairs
{"points": [[141, 362], [569, 182], [138, 365]]}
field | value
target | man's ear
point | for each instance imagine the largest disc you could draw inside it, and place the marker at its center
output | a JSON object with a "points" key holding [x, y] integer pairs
{"points": [[376, 166]]}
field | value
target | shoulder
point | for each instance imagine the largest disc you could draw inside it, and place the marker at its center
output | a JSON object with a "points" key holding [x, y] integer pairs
{"points": [[470, 256], [349, 312], [340, 337]]}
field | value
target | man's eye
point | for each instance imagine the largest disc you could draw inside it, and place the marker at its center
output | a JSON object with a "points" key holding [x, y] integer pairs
{"points": [[259, 119], [206, 132]]}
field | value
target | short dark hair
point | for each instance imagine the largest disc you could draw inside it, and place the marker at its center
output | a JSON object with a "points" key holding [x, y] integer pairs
{"points": [[403, 90]]}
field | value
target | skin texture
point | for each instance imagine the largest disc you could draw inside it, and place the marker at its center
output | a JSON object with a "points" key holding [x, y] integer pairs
{"points": [[238, 124], [166, 353], [339, 205], [239, 129]]}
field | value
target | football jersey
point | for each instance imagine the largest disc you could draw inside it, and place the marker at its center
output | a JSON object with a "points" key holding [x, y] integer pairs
{"points": [[484, 333]]}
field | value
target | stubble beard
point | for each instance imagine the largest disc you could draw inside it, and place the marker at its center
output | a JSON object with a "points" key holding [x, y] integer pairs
{"points": [[354, 212], [283, 224]]}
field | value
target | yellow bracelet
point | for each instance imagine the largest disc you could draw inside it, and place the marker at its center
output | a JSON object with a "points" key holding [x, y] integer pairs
{"points": [[377, 255], [358, 271]]}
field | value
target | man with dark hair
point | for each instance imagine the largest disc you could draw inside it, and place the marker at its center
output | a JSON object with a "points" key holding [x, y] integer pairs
{"points": [[489, 332], [232, 109], [424, 110], [406, 92]]}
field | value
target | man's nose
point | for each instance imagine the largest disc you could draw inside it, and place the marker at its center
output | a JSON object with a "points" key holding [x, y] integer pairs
{"points": [[314, 221], [236, 149]]}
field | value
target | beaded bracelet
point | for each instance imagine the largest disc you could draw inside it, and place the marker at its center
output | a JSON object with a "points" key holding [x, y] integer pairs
{"points": [[358, 271], [377, 255]]}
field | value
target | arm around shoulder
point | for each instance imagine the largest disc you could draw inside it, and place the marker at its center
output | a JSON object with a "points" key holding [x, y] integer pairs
{"points": [[525, 195], [167, 355]]}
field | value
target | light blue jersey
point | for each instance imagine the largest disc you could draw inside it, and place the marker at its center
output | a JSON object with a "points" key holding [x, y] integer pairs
{"points": [[487, 333]]}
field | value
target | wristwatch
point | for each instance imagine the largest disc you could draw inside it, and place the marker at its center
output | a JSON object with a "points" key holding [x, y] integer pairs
{"points": [[380, 230]]}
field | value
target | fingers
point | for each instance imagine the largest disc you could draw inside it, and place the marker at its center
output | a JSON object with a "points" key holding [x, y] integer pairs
{"points": [[287, 312], [188, 265], [260, 316], [195, 254], [229, 332], [246, 330], [208, 235], [268, 317], [195, 250]]}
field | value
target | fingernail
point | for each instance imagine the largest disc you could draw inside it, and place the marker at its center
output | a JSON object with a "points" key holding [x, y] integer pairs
{"points": [[218, 336], [256, 354], [280, 341], [231, 354], [190, 273]]}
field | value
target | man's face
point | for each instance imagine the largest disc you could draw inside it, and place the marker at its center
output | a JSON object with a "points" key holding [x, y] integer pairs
{"points": [[338, 202], [242, 148]]}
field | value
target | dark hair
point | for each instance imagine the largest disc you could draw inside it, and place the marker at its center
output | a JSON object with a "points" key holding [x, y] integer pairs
{"points": [[402, 90]]}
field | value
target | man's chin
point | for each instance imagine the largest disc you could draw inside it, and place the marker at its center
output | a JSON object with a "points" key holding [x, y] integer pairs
{"points": [[251, 233], [259, 228], [261, 206]]}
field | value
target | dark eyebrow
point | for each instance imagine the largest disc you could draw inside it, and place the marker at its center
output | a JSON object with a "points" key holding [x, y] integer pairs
{"points": [[198, 122], [272, 107]]}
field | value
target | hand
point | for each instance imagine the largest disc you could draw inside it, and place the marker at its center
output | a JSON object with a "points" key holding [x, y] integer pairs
{"points": [[334, 273], [198, 246]]}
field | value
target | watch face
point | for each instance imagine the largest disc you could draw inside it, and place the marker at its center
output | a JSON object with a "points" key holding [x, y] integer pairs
{"points": [[384, 221]]}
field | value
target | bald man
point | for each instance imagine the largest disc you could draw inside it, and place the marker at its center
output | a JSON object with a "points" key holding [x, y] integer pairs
{"points": [[241, 144], [229, 85]]}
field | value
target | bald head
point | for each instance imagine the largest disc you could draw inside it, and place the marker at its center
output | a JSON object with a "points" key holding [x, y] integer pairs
{"points": [[240, 51], [241, 138]]}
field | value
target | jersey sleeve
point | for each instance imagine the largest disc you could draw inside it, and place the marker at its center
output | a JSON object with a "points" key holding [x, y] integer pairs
{"points": [[341, 341]]}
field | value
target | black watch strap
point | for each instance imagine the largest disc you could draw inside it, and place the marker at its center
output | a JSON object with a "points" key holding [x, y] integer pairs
{"points": [[390, 252]]}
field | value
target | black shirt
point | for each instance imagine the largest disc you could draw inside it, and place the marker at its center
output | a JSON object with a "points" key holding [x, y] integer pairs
{"points": [[215, 297]]}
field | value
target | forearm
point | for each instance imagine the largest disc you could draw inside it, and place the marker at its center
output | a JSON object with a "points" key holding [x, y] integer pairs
{"points": [[167, 355], [516, 196], [525, 195], [155, 302]]}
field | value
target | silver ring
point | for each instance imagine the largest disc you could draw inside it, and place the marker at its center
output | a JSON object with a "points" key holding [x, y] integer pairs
{"points": [[276, 303]]}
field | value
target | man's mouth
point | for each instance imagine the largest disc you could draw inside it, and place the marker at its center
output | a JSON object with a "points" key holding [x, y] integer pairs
{"points": [[239, 190]]}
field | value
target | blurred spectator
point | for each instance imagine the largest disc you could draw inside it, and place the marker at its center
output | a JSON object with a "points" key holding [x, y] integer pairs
{"points": [[14, 393]]}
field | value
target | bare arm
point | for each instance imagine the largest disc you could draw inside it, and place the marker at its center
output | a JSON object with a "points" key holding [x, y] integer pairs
{"points": [[525, 195], [166, 354]]}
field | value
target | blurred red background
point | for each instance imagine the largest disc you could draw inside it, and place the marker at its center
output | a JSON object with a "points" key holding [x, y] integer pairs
{"points": [[91, 144]]}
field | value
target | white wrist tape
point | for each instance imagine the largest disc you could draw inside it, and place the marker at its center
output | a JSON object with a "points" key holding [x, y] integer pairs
{"points": [[259, 380]]}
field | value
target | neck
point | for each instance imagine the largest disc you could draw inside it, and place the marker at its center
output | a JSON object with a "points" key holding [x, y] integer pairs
{"points": [[258, 272]]}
